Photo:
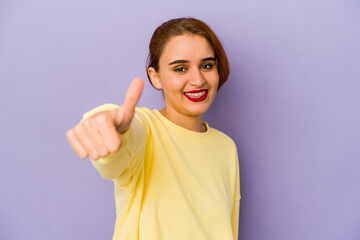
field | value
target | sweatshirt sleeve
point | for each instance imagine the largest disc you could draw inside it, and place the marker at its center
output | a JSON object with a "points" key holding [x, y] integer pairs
{"points": [[236, 207], [121, 165]]}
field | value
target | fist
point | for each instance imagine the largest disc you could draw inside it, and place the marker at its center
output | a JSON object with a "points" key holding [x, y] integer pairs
{"points": [[100, 134]]}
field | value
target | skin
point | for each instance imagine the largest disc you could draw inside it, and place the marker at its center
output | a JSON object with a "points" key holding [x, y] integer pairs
{"points": [[100, 134], [194, 74]]}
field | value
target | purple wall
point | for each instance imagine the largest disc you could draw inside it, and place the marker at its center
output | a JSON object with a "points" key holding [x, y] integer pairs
{"points": [[292, 104]]}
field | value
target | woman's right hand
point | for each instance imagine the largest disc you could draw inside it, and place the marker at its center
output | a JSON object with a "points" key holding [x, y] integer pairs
{"points": [[100, 134]]}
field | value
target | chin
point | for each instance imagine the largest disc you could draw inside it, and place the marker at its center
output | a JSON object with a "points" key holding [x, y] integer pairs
{"points": [[197, 110]]}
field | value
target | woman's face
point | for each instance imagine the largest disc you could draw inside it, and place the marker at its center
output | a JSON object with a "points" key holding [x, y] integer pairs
{"points": [[187, 75]]}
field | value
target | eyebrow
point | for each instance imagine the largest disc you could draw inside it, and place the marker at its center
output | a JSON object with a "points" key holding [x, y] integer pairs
{"points": [[186, 61]]}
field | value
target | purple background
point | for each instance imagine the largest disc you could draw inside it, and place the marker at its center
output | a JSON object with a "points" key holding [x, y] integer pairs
{"points": [[292, 104]]}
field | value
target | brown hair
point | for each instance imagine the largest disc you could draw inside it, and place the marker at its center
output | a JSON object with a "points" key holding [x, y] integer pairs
{"points": [[180, 26]]}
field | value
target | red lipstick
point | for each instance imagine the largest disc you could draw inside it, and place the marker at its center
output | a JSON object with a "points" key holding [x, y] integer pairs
{"points": [[196, 95]]}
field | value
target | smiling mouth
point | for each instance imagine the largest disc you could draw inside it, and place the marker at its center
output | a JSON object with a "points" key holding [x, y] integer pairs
{"points": [[196, 95]]}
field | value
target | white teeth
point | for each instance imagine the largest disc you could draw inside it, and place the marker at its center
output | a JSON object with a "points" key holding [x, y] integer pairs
{"points": [[196, 95]]}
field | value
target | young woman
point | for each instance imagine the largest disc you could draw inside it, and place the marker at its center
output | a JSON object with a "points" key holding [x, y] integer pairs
{"points": [[175, 177]]}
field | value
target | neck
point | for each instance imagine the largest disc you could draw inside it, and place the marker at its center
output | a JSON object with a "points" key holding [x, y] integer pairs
{"points": [[193, 123]]}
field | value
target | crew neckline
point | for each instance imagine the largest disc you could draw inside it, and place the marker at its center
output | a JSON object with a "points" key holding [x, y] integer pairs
{"points": [[201, 137]]}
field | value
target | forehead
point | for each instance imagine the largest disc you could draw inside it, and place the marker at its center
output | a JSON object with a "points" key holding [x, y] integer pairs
{"points": [[186, 47]]}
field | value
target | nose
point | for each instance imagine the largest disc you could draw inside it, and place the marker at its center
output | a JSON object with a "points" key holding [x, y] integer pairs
{"points": [[196, 78]]}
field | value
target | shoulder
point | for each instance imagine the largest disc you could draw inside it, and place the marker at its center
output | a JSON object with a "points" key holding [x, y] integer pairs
{"points": [[144, 113], [145, 116], [224, 138]]}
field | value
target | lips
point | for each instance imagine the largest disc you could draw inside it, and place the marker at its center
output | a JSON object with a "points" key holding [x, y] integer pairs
{"points": [[196, 95]]}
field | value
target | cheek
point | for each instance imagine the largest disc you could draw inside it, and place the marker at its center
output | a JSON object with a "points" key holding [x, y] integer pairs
{"points": [[213, 79], [172, 83]]}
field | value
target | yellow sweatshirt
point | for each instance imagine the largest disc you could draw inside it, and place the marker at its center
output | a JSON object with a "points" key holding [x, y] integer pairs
{"points": [[172, 183]]}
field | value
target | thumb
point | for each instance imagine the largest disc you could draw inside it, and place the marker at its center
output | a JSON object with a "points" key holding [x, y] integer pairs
{"points": [[126, 111], [133, 94]]}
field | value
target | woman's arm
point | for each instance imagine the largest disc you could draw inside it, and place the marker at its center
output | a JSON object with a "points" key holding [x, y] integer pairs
{"points": [[120, 165], [236, 206], [235, 219], [103, 134]]}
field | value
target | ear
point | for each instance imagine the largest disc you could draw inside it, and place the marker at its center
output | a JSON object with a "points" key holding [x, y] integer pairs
{"points": [[154, 78]]}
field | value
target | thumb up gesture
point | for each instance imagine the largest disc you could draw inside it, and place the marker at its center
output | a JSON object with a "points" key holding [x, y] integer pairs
{"points": [[100, 135]]}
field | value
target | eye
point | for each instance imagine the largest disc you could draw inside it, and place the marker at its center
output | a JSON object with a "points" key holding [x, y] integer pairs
{"points": [[207, 66], [180, 69]]}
